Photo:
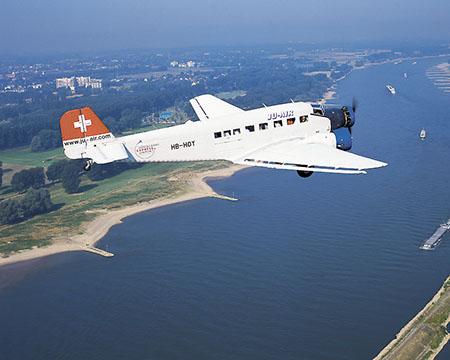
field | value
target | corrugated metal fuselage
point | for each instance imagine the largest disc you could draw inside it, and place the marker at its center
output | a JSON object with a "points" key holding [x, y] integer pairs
{"points": [[229, 137]]}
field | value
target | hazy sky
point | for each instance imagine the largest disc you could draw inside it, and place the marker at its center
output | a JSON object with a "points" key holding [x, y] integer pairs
{"points": [[61, 25]]}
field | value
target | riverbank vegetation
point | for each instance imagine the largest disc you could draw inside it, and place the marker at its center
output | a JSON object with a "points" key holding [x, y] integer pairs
{"points": [[113, 187]]}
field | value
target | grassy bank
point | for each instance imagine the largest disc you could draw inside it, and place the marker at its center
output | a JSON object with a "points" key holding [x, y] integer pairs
{"points": [[25, 157], [425, 335], [148, 182]]}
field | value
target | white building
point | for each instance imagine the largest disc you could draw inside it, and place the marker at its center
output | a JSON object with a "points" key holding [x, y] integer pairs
{"points": [[86, 81], [95, 83], [81, 81], [65, 83], [187, 64]]}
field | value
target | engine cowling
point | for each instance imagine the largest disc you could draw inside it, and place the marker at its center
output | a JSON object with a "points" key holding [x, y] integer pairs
{"points": [[340, 117], [343, 138], [341, 120]]}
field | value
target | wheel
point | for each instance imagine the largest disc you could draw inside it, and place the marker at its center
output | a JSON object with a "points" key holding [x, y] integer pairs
{"points": [[88, 165], [304, 174]]}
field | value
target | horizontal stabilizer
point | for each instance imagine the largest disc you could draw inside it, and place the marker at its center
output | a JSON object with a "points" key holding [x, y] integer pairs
{"points": [[209, 107], [107, 152]]}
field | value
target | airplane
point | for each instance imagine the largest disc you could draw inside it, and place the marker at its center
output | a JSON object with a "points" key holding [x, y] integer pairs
{"points": [[299, 136]]}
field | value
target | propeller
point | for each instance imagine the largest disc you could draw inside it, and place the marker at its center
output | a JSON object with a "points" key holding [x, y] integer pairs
{"points": [[354, 104], [354, 107]]}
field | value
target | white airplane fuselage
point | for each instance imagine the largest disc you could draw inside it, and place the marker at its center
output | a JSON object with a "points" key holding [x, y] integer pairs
{"points": [[199, 140]]}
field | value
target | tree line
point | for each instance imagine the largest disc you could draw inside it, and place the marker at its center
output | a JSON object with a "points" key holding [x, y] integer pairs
{"points": [[34, 198], [33, 202], [67, 172], [36, 177]]}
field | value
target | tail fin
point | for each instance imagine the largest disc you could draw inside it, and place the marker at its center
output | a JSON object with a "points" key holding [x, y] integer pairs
{"points": [[85, 136]]}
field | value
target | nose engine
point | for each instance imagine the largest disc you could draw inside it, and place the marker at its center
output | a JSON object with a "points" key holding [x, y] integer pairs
{"points": [[342, 119]]}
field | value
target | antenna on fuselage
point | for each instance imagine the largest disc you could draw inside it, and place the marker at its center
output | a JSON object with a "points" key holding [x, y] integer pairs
{"points": [[264, 105], [292, 101]]}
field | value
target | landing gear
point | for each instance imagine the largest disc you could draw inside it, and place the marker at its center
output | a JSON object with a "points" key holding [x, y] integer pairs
{"points": [[88, 165], [304, 174]]}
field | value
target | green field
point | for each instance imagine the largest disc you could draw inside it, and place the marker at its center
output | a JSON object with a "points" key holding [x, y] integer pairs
{"points": [[17, 159], [230, 95], [25, 157]]}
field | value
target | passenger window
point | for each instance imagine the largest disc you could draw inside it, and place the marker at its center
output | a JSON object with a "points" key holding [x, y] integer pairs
{"points": [[263, 126], [250, 128], [290, 121], [236, 131], [278, 123], [317, 111], [217, 135], [303, 118], [227, 133]]}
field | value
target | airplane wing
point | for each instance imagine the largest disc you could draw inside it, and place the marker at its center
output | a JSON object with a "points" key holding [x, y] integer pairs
{"points": [[209, 107], [295, 155]]}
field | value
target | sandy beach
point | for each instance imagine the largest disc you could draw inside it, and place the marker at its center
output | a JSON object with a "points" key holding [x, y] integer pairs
{"points": [[329, 95], [93, 231]]}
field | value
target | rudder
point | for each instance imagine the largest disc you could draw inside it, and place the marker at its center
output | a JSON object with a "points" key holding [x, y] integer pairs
{"points": [[85, 136]]}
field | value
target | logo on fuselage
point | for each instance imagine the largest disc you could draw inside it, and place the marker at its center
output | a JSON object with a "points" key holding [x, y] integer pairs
{"points": [[145, 151]]}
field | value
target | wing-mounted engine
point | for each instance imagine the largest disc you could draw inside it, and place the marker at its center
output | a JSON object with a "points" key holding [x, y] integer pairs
{"points": [[341, 119]]}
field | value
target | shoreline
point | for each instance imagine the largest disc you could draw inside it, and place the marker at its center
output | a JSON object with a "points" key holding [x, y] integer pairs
{"points": [[195, 188], [410, 325], [331, 92]]}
